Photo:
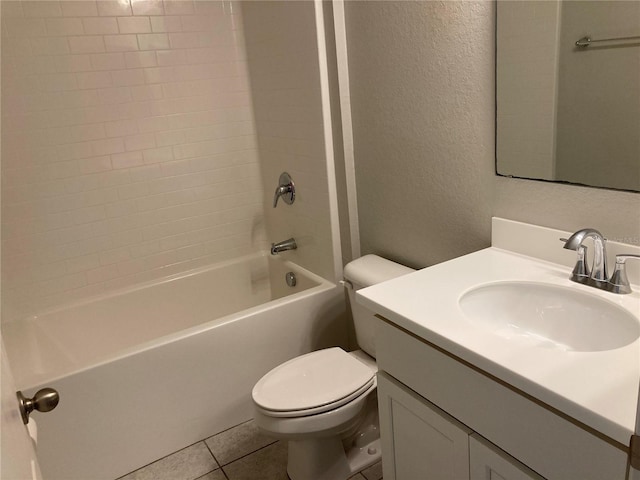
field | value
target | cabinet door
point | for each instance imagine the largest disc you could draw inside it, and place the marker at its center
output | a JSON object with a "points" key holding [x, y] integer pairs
{"points": [[487, 462], [419, 441]]}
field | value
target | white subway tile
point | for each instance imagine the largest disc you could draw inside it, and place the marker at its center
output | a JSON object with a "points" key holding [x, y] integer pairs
{"points": [[121, 43], [114, 8], [79, 98], [172, 57], [156, 155], [34, 8], [135, 190], [158, 75], [146, 92], [140, 142], [102, 274], [99, 25], [153, 124], [26, 27], [75, 8], [58, 82], [184, 40], [164, 139], [127, 160], [12, 9], [178, 7], [153, 41], [86, 44], [121, 128], [108, 61], [140, 59], [115, 255], [196, 23], [15, 46], [147, 7], [73, 63], [128, 77], [92, 80], [107, 146], [95, 165], [209, 8], [64, 26], [134, 24], [166, 24]]}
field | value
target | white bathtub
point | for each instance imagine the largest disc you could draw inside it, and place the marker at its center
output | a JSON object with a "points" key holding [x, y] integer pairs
{"points": [[152, 369]]}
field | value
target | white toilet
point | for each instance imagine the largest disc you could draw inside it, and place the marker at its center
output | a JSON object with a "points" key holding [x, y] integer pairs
{"points": [[324, 403]]}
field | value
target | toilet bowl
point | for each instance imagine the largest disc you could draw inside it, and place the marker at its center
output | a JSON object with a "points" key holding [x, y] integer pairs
{"points": [[324, 403]]}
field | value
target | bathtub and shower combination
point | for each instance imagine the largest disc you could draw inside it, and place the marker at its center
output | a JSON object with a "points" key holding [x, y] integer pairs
{"points": [[146, 371]]}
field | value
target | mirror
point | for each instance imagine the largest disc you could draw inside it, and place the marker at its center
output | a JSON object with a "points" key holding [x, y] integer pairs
{"points": [[564, 112]]}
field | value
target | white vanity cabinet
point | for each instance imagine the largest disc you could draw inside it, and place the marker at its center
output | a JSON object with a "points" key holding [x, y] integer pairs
{"points": [[443, 418], [419, 440]]}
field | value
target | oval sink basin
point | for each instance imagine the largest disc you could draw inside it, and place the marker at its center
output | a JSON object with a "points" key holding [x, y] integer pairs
{"points": [[550, 316]]}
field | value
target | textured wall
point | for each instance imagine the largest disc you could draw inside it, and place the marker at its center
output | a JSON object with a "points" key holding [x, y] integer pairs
{"points": [[282, 52], [421, 76], [127, 134], [422, 93]]}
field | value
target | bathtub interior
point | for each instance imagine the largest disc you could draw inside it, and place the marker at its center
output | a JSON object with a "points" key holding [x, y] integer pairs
{"points": [[55, 343]]}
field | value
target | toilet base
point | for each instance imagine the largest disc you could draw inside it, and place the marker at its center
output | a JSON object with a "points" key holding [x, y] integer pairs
{"points": [[327, 459]]}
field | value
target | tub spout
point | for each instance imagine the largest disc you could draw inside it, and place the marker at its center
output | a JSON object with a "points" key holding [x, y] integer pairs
{"points": [[289, 244]]}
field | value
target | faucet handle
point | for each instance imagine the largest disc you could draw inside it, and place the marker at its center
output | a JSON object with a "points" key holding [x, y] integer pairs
{"points": [[580, 271], [619, 283], [285, 189]]}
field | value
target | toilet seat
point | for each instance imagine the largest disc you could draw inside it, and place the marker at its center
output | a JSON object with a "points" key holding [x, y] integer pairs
{"points": [[313, 383]]}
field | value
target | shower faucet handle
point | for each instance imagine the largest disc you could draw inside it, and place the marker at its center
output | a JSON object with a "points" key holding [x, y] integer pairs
{"points": [[286, 189]]}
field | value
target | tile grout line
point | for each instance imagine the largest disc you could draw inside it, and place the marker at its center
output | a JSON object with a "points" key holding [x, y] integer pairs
{"points": [[214, 457]]}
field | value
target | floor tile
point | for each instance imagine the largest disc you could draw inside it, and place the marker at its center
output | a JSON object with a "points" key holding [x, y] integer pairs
{"points": [[374, 472], [357, 476], [187, 464], [237, 442], [215, 475], [269, 463]]}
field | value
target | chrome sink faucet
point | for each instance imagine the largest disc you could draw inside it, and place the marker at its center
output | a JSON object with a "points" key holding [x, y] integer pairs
{"points": [[599, 269], [597, 276]]}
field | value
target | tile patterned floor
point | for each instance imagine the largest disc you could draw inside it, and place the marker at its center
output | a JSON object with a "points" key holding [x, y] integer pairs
{"points": [[240, 453]]}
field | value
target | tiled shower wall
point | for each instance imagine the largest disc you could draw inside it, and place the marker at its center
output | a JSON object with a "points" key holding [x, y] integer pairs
{"points": [[283, 58], [128, 145]]}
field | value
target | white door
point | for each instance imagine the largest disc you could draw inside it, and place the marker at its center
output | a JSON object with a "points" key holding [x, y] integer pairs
{"points": [[17, 456]]}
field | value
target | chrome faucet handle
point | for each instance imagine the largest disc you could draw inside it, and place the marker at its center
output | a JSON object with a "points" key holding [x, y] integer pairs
{"points": [[286, 189], [619, 283], [580, 271]]}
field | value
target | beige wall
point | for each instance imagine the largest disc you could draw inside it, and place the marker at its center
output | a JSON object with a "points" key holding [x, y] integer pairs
{"points": [[422, 96], [128, 145], [282, 52]]}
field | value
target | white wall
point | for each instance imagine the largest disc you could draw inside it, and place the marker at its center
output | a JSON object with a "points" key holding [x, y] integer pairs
{"points": [[282, 51], [422, 97], [128, 145]]}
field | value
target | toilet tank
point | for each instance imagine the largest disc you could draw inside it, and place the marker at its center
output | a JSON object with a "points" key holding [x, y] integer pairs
{"points": [[364, 272]]}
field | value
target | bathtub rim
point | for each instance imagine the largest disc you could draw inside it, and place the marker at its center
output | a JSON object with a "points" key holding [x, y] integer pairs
{"points": [[47, 378]]}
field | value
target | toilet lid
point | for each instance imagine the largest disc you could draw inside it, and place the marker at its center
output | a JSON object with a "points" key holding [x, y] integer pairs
{"points": [[317, 381]]}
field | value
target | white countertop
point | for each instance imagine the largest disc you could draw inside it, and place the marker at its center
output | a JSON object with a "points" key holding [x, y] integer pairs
{"points": [[599, 389]]}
